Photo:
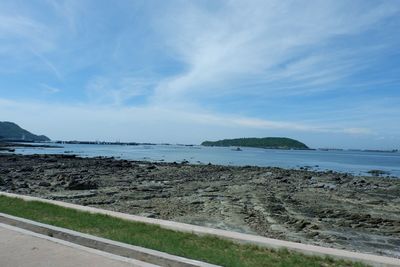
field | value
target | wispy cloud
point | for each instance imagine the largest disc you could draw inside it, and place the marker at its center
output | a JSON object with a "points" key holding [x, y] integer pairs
{"points": [[21, 34], [208, 68], [48, 64], [117, 90], [47, 89], [266, 42], [68, 10], [152, 116]]}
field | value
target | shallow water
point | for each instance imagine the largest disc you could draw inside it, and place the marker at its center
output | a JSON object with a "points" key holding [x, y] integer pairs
{"points": [[355, 162]]}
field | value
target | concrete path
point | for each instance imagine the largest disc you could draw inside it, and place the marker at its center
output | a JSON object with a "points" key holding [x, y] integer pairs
{"points": [[21, 248]]}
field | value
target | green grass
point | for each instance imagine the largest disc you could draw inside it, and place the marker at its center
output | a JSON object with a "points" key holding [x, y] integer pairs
{"points": [[205, 248]]}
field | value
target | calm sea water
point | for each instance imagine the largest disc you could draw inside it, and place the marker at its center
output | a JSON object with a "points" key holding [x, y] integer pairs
{"points": [[356, 162]]}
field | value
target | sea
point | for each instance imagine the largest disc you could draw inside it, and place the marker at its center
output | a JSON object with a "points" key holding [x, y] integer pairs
{"points": [[346, 161]]}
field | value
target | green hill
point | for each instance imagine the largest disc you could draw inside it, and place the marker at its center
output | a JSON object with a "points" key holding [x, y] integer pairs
{"points": [[11, 131], [266, 142]]}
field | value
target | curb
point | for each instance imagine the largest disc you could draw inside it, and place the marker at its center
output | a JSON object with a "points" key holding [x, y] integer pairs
{"points": [[109, 246], [369, 259]]}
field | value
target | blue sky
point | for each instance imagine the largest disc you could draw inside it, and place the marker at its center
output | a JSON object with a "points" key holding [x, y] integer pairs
{"points": [[324, 72]]}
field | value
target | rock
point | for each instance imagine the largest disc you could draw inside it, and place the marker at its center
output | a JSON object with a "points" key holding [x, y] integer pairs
{"points": [[325, 186], [150, 187], [312, 234], [314, 227], [62, 177], [377, 172], [44, 184], [337, 179], [68, 156], [13, 159], [118, 164], [277, 209], [196, 202], [149, 214], [300, 225], [4, 171], [151, 167], [147, 197], [81, 185], [27, 169], [23, 185]]}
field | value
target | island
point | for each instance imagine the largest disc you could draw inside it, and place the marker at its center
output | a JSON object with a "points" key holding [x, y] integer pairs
{"points": [[266, 142]]}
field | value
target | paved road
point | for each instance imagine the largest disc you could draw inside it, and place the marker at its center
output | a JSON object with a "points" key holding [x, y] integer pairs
{"points": [[20, 248]]}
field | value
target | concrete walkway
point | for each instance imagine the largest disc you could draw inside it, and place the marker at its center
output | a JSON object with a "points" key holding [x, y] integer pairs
{"points": [[21, 248]]}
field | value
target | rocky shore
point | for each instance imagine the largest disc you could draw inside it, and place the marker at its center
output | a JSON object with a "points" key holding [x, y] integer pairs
{"points": [[323, 208]]}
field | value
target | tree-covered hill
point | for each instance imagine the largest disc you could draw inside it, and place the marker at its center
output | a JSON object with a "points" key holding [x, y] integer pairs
{"points": [[11, 131], [266, 142]]}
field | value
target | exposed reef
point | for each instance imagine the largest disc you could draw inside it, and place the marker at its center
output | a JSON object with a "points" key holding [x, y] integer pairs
{"points": [[323, 208]]}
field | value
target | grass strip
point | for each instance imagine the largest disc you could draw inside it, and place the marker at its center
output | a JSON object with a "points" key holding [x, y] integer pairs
{"points": [[204, 248]]}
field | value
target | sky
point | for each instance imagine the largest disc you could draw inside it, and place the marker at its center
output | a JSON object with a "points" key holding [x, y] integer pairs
{"points": [[324, 72]]}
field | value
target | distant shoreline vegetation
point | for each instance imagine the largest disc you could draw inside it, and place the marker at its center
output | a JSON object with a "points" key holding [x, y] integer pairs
{"points": [[266, 142]]}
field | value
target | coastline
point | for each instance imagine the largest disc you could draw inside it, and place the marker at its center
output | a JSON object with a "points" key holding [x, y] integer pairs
{"points": [[384, 164], [332, 209]]}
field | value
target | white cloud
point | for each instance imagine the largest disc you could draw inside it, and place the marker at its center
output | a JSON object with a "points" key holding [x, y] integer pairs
{"points": [[68, 10], [244, 41], [21, 34], [47, 89], [278, 46], [155, 124], [117, 90], [357, 131], [229, 48], [48, 64]]}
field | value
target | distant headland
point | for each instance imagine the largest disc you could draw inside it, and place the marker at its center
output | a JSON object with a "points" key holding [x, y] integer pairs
{"points": [[10, 131], [266, 142]]}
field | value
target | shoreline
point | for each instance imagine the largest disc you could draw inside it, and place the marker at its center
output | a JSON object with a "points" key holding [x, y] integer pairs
{"points": [[312, 162], [358, 213], [374, 171]]}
